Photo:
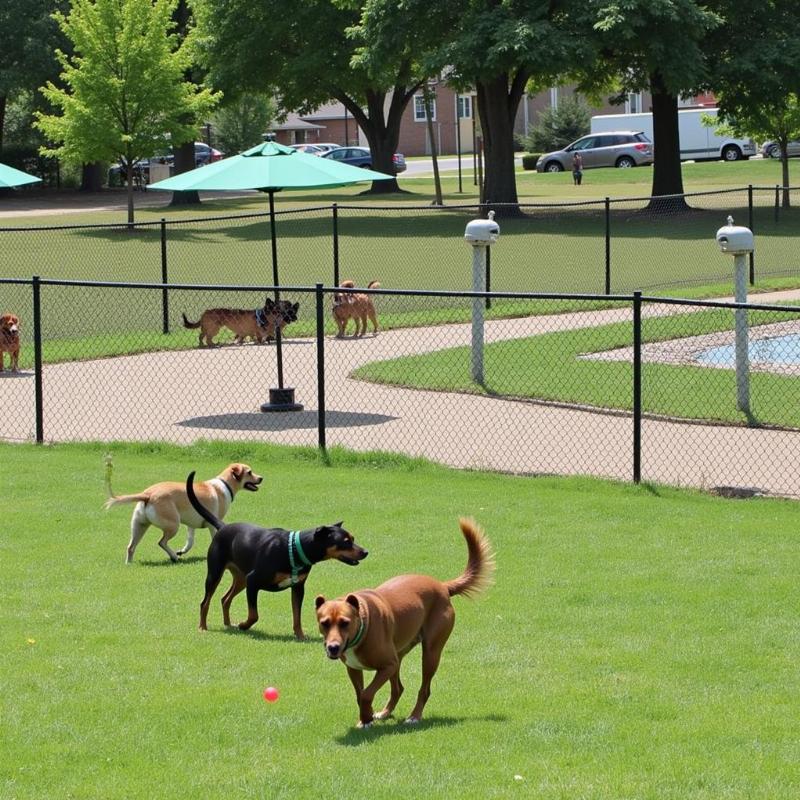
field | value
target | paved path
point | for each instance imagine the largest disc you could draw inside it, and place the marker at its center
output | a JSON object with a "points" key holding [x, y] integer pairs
{"points": [[188, 395]]}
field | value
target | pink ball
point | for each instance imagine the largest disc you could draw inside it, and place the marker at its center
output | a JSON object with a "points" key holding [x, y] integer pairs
{"points": [[270, 694]]}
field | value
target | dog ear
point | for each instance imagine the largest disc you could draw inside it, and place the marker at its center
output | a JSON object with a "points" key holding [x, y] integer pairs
{"points": [[269, 303], [318, 601], [237, 472], [353, 601]]}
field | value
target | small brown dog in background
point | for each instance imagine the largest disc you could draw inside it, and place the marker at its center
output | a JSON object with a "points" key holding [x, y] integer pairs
{"points": [[9, 340], [356, 306]]}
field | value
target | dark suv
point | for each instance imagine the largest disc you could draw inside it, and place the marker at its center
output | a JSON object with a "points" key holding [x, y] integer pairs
{"points": [[614, 149]]}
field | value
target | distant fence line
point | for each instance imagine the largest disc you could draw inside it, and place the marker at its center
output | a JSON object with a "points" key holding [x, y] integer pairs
{"points": [[598, 246], [611, 386]]}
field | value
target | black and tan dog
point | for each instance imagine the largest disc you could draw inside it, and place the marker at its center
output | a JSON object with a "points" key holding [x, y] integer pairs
{"points": [[374, 629], [9, 340], [272, 559], [258, 324]]}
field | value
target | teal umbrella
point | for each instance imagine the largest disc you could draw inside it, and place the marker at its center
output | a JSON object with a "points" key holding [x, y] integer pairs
{"points": [[10, 177], [270, 167]]}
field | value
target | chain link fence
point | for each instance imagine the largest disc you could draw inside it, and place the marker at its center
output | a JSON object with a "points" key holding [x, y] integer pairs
{"points": [[599, 247], [622, 386]]}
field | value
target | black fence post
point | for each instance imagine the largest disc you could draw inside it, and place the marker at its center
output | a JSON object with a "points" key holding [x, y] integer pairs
{"points": [[637, 387], [488, 275], [37, 359], [320, 367], [750, 225], [164, 276], [335, 209], [608, 244], [777, 200]]}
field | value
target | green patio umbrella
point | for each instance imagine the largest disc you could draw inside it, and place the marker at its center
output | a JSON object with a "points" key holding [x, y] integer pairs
{"points": [[271, 167], [10, 177]]}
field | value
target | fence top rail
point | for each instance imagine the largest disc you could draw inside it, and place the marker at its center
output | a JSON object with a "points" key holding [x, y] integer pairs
{"points": [[122, 226], [603, 298]]}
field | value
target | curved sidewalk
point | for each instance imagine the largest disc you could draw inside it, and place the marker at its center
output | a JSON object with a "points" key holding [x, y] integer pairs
{"points": [[216, 393]]}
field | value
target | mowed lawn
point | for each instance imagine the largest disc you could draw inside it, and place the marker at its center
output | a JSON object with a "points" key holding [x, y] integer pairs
{"points": [[639, 642]]}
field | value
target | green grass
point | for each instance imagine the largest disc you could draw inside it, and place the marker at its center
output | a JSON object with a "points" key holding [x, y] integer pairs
{"points": [[639, 642], [549, 367]]}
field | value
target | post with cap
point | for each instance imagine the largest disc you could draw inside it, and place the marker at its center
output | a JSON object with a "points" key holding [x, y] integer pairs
{"points": [[481, 234], [738, 242]]}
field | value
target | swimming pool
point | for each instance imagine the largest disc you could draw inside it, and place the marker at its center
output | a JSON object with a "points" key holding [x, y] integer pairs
{"points": [[772, 350]]}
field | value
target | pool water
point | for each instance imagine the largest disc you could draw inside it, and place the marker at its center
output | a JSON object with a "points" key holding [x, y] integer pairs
{"points": [[775, 350]]}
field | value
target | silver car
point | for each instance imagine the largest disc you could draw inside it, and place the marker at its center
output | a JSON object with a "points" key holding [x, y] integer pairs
{"points": [[621, 149], [773, 149]]}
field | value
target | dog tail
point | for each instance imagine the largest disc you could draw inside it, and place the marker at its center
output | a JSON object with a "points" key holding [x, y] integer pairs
{"points": [[126, 498], [374, 285], [198, 506], [480, 564], [187, 324]]}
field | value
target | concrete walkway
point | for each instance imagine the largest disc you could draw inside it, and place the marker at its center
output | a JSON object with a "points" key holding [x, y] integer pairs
{"points": [[215, 394]]}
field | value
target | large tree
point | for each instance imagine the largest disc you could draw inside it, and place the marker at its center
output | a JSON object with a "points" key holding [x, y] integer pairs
{"points": [[493, 47], [28, 38], [756, 79], [304, 54], [660, 47], [124, 96]]}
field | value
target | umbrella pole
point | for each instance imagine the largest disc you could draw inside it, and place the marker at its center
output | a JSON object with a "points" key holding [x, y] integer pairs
{"points": [[280, 398]]}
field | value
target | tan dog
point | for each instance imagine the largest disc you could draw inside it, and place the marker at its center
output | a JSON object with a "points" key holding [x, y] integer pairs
{"points": [[374, 629], [9, 340], [356, 306], [257, 324], [166, 505]]}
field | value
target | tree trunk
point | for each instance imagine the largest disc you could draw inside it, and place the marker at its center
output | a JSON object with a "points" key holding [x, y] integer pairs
{"points": [[382, 131], [130, 194], [437, 181], [786, 201], [498, 100], [184, 162], [92, 177], [3, 101], [667, 175]]}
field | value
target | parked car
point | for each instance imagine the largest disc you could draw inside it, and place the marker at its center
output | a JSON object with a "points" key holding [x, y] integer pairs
{"points": [[773, 150], [203, 154], [621, 149], [311, 149], [361, 157], [326, 146]]}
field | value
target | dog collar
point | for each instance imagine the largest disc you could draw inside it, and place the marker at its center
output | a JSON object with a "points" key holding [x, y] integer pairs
{"points": [[227, 487], [261, 318], [296, 547], [357, 638]]}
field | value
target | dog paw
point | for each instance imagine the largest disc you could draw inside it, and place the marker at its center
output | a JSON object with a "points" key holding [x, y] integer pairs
{"points": [[382, 715], [363, 725], [412, 721]]}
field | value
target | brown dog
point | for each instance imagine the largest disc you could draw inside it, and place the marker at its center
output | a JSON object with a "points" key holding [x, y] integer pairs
{"points": [[356, 306], [166, 505], [9, 340], [375, 628], [257, 324]]}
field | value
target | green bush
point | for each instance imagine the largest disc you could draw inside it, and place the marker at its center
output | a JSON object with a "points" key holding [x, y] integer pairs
{"points": [[557, 127], [529, 160]]}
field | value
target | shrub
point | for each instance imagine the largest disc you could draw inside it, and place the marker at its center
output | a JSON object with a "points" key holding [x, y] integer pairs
{"points": [[529, 160], [557, 127]]}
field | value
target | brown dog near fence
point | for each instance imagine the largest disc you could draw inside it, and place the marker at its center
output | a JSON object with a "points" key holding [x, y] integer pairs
{"points": [[9, 340], [257, 324], [356, 306]]}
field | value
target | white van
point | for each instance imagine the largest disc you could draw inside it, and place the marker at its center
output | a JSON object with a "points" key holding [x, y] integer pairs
{"points": [[698, 142]]}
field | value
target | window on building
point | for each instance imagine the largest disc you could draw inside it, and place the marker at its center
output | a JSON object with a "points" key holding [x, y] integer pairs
{"points": [[634, 103], [419, 108], [464, 106]]}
